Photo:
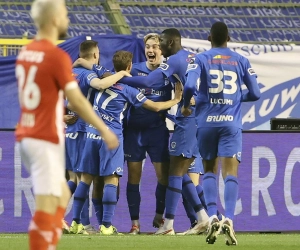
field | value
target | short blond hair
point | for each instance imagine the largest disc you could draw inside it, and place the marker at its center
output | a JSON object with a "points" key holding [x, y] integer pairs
{"points": [[153, 36]]}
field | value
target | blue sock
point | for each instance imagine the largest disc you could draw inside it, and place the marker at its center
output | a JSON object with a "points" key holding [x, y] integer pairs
{"points": [[160, 195], [133, 200], [79, 199], [84, 216], [109, 202], [190, 194], [173, 195], [190, 212], [201, 196], [72, 185], [230, 195], [202, 199], [98, 209], [210, 193]]}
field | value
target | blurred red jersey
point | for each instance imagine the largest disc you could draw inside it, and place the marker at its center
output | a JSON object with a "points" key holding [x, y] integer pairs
{"points": [[43, 71]]}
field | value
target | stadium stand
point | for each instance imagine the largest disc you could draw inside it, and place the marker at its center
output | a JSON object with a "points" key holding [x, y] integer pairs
{"points": [[256, 21]]}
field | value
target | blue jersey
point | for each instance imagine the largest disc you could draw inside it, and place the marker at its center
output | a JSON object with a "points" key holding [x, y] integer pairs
{"points": [[173, 67], [221, 72], [110, 104], [144, 118], [84, 78]]}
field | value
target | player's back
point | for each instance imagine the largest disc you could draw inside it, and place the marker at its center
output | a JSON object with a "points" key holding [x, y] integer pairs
{"points": [[42, 70], [112, 102], [220, 91], [83, 77], [144, 118]]}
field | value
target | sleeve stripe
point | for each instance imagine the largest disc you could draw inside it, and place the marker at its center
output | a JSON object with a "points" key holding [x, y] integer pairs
{"points": [[71, 85]]}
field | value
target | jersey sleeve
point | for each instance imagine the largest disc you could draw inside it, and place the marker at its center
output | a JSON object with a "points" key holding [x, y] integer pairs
{"points": [[250, 81], [62, 66], [135, 97], [100, 70], [193, 73], [89, 76], [169, 66]]}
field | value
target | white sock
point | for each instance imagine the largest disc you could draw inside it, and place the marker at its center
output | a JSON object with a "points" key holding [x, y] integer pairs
{"points": [[135, 223], [168, 224], [202, 216]]}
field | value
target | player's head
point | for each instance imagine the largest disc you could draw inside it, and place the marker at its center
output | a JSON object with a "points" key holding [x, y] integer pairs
{"points": [[50, 14], [122, 60], [152, 50], [219, 35], [89, 50], [170, 42]]}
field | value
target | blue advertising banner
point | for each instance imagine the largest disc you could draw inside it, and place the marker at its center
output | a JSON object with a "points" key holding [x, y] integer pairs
{"points": [[269, 197]]}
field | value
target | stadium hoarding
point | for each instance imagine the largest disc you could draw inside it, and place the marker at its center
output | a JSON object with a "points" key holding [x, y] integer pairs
{"points": [[269, 197]]}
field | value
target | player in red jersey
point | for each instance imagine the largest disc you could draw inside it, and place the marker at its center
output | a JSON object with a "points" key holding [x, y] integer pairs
{"points": [[44, 74]]}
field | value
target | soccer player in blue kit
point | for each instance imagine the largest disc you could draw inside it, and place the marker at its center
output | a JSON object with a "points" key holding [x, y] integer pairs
{"points": [[220, 73], [89, 82], [146, 131], [97, 160], [183, 145]]}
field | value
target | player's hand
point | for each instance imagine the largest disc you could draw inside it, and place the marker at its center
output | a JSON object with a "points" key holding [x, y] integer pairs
{"points": [[110, 139], [83, 63], [125, 73], [186, 111], [178, 91], [192, 101], [70, 119]]}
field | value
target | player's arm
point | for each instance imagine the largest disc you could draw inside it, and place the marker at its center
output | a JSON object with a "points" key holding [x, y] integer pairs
{"points": [[98, 69], [192, 74], [158, 106], [84, 109], [106, 82], [250, 81], [153, 80], [83, 63]]}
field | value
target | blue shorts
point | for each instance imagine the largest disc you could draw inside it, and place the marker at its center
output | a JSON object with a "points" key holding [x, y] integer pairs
{"points": [[220, 142], [74, 147], [154, 141], [97, 160], [196, 166], [184, 141]]}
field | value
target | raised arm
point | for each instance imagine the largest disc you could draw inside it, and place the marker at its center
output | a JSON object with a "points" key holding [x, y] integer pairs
{"points": [[158, 106], [250, 81], [153, 80], [106, 82]]}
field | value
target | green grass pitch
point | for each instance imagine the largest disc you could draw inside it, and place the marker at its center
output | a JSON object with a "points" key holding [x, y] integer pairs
{"points": [[147, 242]]}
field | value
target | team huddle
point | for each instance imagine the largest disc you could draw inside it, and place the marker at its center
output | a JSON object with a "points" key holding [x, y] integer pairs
{"points": [[120, 116]]}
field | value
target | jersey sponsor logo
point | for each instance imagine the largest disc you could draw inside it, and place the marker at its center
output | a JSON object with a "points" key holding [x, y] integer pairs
{"points": [[221, 101], [93, 136], [142, 74], [221, 57], [251, 71], [173, 144], [219, 118], [91, 76], [140, 96], [72, 135], [192, 66], [163, 66]]}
